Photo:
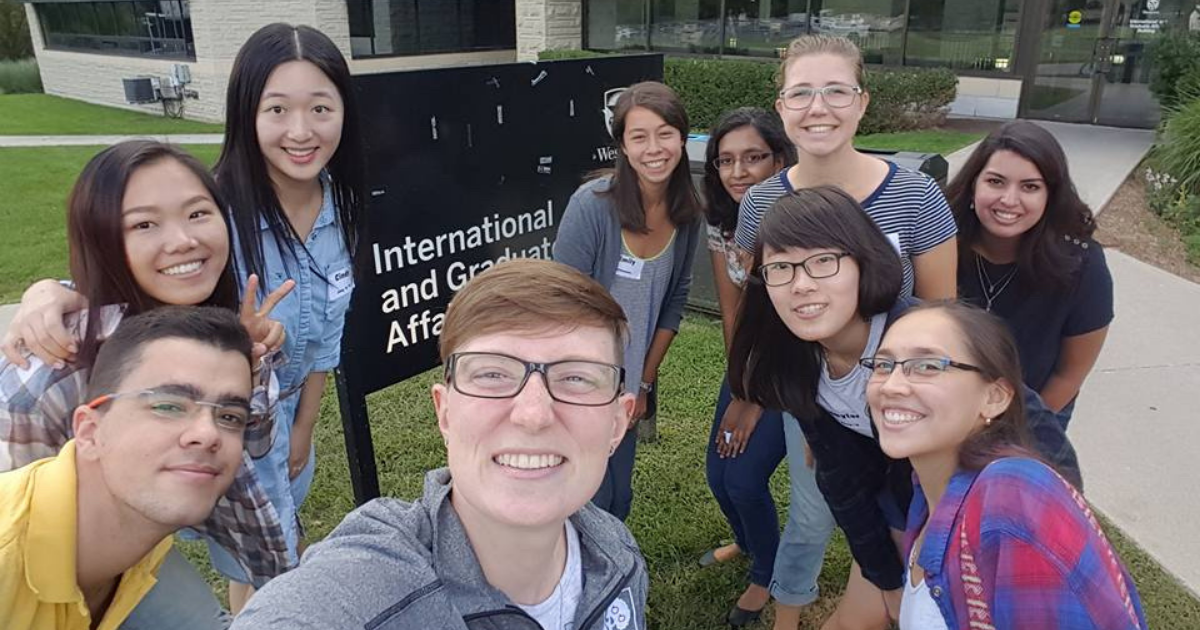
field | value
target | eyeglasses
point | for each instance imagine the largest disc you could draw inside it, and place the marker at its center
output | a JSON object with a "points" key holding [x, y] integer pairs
{"points": [[916, 369], [816, 266], [229, 416], [727, 162], [493, 375], [834, 95]]}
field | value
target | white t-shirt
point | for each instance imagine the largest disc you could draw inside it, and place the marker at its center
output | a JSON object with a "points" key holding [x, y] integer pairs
{"points": [[558, 611], [918, 611], [845, 398]]}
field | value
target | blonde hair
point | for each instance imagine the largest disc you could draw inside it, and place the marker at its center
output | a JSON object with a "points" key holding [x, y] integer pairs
{"points": [[818, 44], [526, 295]]}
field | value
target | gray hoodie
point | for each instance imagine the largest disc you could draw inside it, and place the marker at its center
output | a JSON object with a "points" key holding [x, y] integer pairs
{"points": [[393, 565]]}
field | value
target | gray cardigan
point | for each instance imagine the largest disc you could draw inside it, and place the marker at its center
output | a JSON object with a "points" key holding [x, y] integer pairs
{"points": [[395, 565], [589, 239]]}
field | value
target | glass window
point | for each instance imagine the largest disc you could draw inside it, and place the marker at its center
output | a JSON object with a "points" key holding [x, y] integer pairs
{"points": [[381, 28], [877, 26], [962, 34], [760, 28], [685, 25], [145, 29], [616, 24]]}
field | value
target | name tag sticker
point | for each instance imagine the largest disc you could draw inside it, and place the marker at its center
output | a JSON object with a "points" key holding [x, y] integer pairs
{"points": [[630, 267], [894, 237], [341, 283]]}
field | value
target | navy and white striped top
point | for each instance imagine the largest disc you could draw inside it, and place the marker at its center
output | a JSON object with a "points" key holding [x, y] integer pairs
{"points": [[907, 206]]}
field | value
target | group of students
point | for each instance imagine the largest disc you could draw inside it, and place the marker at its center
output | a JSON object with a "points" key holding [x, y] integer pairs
{"points": [[953, 480]]}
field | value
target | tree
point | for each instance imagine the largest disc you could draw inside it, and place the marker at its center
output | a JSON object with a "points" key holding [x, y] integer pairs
{"points": [[14, 31]]}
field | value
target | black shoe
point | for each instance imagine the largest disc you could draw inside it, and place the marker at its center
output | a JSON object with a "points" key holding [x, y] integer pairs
{"points": [[739, 616]]}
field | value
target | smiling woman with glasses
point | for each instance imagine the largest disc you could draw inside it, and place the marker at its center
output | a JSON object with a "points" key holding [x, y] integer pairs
{"points": [[1004, 538]]}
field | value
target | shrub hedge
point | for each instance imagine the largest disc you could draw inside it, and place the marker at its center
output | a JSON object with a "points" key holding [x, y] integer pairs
{"points": [[901, 98], [20, 77], [1176, 63]]}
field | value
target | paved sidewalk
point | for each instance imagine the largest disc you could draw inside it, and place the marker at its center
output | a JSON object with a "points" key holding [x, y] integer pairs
{"points": [[6, 314], [64, 141]]}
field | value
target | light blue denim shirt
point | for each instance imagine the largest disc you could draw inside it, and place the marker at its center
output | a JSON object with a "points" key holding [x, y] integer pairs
{"points": [[313, 313]]}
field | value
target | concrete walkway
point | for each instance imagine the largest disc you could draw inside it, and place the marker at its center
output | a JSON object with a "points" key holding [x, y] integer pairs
{"points": [[66, 141], [1135, 426]]}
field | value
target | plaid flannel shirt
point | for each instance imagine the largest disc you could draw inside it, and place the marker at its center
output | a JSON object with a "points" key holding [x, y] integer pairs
{"points": [[1040, 560], [36, 407]]}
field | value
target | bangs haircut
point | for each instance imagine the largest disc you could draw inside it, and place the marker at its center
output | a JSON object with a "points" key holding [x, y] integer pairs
{"points": [[769, 365], [530, 295], [827, 217]]}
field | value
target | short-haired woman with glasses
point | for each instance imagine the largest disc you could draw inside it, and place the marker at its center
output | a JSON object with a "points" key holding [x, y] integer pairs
{"points": [[634, 229], [822, 98], [826, 284], [995, 538]]}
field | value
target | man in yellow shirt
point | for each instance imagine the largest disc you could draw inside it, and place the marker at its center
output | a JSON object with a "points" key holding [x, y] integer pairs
{"points": [[83, 533]]}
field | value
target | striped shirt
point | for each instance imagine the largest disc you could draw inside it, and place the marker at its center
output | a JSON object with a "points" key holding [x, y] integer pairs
{"points": [[907, 206]]}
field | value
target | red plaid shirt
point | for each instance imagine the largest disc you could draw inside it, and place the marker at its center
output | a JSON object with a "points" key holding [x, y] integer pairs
{"points": [[1040, 558]]}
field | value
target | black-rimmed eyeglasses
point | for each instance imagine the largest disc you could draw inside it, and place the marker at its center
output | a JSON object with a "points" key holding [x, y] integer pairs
{"points": [[495, 375], [816, 266]]}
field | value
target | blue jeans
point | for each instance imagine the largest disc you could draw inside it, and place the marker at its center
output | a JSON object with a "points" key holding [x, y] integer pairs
{"points": [[809, 527], [741, 487], [180, 599]]}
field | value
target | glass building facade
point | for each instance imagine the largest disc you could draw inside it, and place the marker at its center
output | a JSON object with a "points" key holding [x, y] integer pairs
{"points": [[960, 34], [161, 29]]}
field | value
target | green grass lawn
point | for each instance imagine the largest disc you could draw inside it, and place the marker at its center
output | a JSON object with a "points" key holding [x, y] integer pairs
{"points": [[34, 187], [42, 114], [941, 141]]}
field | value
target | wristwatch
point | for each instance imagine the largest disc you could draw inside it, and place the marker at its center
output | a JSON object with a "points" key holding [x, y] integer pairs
{"points": [[645, 387]]}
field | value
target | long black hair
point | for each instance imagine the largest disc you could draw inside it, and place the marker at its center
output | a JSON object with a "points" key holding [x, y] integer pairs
{"points": [[769, 365], [683, 205], [96, 233], [1043, 259], [720, 209], [241, 170]]}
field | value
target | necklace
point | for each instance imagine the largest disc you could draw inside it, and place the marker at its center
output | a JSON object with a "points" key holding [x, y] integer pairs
{"points": [[992, 289]]}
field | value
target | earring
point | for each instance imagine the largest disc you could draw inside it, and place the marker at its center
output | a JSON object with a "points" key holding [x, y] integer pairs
{"points": [[612, 450], [987, 422]]}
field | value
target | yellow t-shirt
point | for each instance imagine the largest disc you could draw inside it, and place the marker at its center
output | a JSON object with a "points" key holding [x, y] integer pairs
{"points": [[38, 589]]}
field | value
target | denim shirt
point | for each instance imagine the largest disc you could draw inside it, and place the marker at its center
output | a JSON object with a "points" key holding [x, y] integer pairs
{"points": [[314, 312], [1040, 558]]}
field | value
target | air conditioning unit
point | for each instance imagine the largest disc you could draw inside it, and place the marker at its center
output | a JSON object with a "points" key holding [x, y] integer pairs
{"points": [[142, 90]]}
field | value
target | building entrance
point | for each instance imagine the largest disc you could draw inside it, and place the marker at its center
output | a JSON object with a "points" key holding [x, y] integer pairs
{"points": [[1091, 61]]}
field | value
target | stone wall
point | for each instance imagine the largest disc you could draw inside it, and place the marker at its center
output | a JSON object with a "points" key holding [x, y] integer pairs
{"points": [[548, 25]]}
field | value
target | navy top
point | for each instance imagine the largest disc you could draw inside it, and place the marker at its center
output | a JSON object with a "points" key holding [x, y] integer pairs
{"points": [[1041, 319]]}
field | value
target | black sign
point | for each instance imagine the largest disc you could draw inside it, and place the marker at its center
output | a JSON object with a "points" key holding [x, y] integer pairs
{"points": [[467, 167]]}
